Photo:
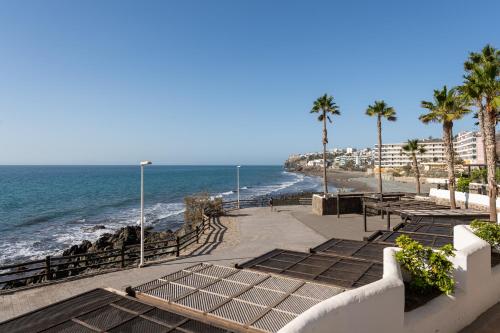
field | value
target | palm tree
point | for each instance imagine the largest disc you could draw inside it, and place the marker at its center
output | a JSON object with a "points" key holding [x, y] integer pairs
{"points": [[483, 74], [412, 148], [326, 107], [447, 107], [381, 110], [471, 92]]}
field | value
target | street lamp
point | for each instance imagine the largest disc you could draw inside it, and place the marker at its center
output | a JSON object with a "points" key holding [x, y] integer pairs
{"points": [[143, 163], [238, 183]]}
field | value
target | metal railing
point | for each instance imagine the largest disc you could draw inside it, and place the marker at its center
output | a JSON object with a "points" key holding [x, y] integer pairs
{"points": [[60, 267]]}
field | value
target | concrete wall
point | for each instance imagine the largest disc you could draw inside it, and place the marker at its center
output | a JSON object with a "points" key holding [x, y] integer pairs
{"points": [[464, 200], [322, 206], [379, 306], [349, 205]]}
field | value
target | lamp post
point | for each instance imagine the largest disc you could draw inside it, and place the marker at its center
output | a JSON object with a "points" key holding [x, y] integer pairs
{"points": [[143, 163], [238, 183]]}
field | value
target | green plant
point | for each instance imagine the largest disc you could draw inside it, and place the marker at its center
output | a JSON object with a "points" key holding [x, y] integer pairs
{"points": [[427, 267], [447, 107], [488, 231], [325, 107], [381, 110], [412, 148], [463, 184], [479, 175]]}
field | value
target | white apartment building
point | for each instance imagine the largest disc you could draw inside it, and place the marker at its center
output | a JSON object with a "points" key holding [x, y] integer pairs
{"points": [[468, 147]]}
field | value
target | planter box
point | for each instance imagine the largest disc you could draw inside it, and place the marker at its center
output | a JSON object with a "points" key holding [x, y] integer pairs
{"points": [[324, 206], [379, 306]]}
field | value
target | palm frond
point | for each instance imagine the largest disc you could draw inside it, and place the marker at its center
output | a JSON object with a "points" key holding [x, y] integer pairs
{"points": [[380, 108]]}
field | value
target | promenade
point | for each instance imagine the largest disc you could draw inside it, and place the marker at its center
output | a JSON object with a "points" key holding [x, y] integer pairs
{"points": [[242, 235]]}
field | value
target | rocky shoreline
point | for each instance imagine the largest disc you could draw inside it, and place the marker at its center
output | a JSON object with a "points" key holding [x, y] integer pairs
{"points": [[87, 257]]}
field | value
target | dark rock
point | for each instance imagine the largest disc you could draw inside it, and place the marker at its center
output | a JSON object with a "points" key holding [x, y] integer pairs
{"points": [[97, 227]]}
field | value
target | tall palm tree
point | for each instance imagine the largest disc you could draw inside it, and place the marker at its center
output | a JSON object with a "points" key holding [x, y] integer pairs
{"points": [[483, 74], [380, 109], [412, 148], [326, 107], [447, 107]]}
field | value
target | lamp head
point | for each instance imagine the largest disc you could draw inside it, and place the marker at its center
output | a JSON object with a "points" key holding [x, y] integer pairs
{"points": [[143, 163]]}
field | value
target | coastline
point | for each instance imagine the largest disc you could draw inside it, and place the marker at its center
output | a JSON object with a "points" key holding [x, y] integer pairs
{"points": [[358, 181]]}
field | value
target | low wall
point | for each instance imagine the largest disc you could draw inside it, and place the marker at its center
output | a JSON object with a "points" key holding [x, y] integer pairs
{"points": [[376, 307], [463, 200], [379, 306], [348, 205]]}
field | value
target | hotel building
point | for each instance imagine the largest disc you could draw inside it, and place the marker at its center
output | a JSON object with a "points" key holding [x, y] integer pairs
{"points": [[468, 147]]}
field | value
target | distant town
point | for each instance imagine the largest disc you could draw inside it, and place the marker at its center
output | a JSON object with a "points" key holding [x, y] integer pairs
{"points": [[468, 147]]}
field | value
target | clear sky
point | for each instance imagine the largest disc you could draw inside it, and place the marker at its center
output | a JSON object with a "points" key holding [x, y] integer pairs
{"points": [[221, 82]]}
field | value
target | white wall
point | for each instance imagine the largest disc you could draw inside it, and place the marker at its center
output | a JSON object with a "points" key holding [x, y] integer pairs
{"points": [[363, 309], [379, 306], [469, 198]]}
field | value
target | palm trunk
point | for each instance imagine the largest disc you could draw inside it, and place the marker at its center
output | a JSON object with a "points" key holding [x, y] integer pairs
{"points": [[379, 128], [480, 117], [491, 157], [417, 172], [448, 150], [325, 140]]}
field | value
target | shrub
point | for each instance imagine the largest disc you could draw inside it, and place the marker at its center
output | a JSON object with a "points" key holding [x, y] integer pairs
{"points": [[197, 205], [463, 184], [479, 175], [488, 231], [428, 268]]}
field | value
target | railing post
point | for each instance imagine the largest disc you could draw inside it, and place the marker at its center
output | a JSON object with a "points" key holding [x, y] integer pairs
{"points": [[197, 234], [338, 205], [178, 250], [388, 219], [123, 255], [47, 268], [364, 215]]}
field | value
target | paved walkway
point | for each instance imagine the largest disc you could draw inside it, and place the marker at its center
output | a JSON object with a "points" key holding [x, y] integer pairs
{"points": [[488, 322], [247, 233], [348, 226]]}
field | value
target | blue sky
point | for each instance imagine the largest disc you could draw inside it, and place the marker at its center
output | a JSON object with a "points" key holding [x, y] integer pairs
{"points": [[221, 82]]}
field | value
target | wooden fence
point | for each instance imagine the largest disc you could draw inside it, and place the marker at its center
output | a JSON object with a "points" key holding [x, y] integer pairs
{"points": [[58, 267]]}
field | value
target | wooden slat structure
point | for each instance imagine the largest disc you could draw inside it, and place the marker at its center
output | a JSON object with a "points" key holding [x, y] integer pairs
{"points": [[102, 311], [337, 270], [428, 228], [432, 240], [352, 248], [240, 299]]}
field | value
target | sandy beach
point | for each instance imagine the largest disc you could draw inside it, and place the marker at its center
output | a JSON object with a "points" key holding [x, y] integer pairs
{"points": [[358, 181]]}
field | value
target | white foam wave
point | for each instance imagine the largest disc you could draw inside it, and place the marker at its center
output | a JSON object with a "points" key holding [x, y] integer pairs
{"points": [[56, 238]]}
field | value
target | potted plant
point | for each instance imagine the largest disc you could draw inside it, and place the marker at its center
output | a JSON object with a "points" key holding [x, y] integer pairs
{"points": [[490, 232], [427, 272]]}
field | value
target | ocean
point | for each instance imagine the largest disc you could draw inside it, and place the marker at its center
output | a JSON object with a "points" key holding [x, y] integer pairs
{"points": [[45, 209]]}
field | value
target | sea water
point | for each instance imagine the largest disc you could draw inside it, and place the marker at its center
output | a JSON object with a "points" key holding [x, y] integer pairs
{"points": [[45, 209]]}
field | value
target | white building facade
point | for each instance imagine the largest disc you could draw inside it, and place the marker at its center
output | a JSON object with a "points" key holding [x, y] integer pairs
{"points": [[468, 147]]}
